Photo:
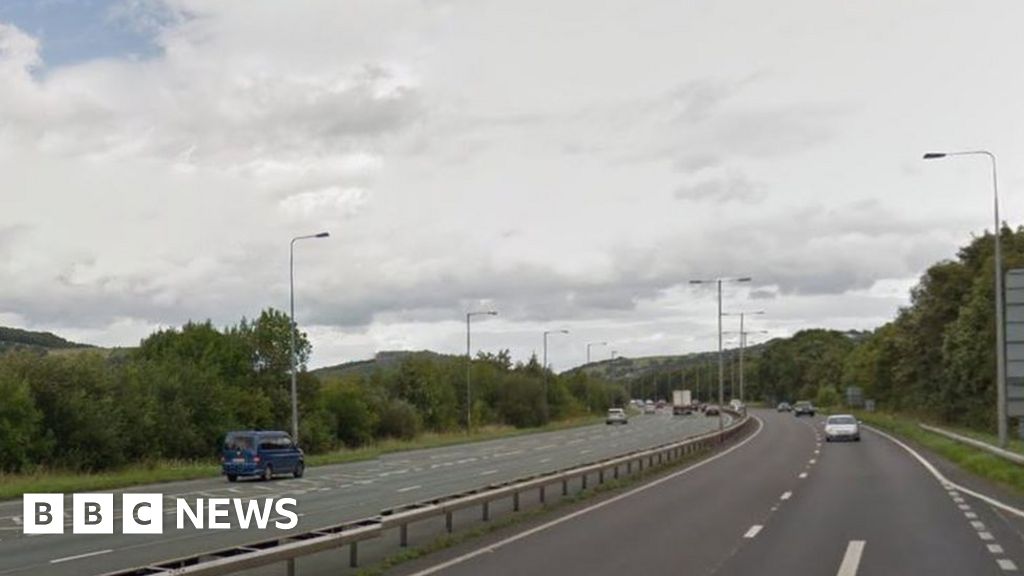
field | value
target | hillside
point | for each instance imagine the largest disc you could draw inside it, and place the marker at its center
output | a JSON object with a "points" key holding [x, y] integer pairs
{"points": [[383, 360], [18, 339]]}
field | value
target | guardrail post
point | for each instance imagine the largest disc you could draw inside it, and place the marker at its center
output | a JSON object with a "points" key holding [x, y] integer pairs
{"points": [[353, 554], [448, 522], [291, 567], [600, 476], [584, 481], [629, 467], [486, 506], [615, 474], [515, 501], [403, 532], [542, 499], [565, 487]]}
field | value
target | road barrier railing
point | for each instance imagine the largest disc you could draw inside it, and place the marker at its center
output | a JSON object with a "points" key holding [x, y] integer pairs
{"points": [[1001, 452], [286, 549]]}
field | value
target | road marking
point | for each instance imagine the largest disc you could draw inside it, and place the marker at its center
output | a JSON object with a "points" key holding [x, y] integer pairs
{"points": [[851, 560], [585, 451], [546, 446], [813, 460], [488, 472], [985, 536], [946, 482], [86, 555], [1007, 565], [970, 515], [786, 495], [753, 531], [977, 525], [543, 460], [408, 488], [515, 538], [958, 500], [802, 475], [995, 548], [16, 520], [964, 506]]}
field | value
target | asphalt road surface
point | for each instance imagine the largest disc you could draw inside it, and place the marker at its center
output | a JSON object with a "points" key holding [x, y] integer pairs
{"points": [[332, 494], [784, 502]]}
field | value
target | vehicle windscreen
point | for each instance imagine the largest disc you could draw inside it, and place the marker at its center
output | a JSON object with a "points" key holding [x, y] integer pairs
{"points": [[239, 442], [842, 420]]}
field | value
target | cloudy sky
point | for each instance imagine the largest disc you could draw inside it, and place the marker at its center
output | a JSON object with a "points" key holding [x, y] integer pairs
{"points": [[571, 164]]}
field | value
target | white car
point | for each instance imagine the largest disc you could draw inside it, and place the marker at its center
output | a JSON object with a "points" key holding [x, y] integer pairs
{"points": [[616, 416], [842, 427]]}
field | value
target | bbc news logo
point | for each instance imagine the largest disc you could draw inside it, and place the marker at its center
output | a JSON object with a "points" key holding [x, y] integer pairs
{"points": [[144, 513]]}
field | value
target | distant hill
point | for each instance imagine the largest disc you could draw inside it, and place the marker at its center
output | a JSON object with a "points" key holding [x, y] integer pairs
{"points": [[623, 369], [18, 339], [383, 360]]}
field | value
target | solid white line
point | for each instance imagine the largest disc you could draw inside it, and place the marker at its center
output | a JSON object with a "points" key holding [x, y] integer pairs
{"points": [[1007, 565], [408, 488], [946, 482], [602, 504], [995, 548], [753, 531], [86, 555], [851, 560], [786, 495]]}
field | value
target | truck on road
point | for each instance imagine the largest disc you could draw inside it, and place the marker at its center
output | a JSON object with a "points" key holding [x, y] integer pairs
{"points": [[682, 403]]}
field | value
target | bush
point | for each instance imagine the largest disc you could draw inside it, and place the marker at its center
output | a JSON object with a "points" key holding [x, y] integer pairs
{"points": [[399, 420], [827, 397]]}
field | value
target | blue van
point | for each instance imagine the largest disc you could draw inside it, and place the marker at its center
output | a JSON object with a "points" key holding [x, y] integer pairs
{"points": [[260, 453]]}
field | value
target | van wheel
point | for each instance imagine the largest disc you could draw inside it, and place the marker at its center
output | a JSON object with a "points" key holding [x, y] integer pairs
{"points": [[232, 477], [268, 473], [299, 469]]}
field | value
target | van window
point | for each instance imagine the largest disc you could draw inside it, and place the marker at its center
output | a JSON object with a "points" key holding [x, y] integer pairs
{"points": [[239, 442]]}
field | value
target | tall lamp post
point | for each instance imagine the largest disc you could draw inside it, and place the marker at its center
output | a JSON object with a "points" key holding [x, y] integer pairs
{"points": [[721, 360], [291, 298], [545, 372], [593, 344], [743, 340], [469, 367], [1000, 335]]}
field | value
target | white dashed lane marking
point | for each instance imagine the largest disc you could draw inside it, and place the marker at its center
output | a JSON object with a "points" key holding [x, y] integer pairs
{"points": [[753, 531], [786, 495]]}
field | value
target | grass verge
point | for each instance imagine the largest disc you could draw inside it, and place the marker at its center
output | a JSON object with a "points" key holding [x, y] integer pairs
{"points": [[978, 462], [14, 485]]}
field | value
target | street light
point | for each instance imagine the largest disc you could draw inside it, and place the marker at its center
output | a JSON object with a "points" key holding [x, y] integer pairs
{"points": [[743, 340], [545, 373], [614, 354], [291, 289], [721, 365], [1000, 335], [469, 367], [593, 344]]}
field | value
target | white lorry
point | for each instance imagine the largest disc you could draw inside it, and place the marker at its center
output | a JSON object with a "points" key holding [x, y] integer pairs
{"points": [[682, 403]]}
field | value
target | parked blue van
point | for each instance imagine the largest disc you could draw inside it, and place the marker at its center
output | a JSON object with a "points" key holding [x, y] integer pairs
{"points": [[260, 453]]}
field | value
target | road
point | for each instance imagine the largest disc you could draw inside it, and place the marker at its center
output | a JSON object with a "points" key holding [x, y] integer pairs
{"points": [[333, 494], [782, 503]]}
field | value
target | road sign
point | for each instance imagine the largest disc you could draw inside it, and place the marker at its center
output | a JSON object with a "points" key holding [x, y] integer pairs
{"points": [[1015, 342]]}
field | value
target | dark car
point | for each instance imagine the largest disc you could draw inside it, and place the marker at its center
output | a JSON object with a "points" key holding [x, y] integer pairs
{"points": [[803, 409], [260, 453], [711, 410]]}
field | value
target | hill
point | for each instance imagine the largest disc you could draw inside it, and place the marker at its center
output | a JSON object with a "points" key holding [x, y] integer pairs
{"points": [[383, 360], [18, 339]]}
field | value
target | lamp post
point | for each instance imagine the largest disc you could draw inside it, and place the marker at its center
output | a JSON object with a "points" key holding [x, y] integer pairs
{"points": [[291, 298], [1000, 335], [469, 367], [545, 373], [721, 365], [743, 340], [593, 344], [614, 354]]}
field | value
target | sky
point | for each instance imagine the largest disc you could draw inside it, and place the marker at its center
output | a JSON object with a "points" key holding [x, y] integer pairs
{"points": [[571, 165]]}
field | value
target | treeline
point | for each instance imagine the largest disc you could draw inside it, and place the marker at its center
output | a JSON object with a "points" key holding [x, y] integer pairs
{"points": [[176, 395], [935, 359]]}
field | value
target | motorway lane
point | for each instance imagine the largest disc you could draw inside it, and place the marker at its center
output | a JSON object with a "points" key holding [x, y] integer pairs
{"points": [[334, 494], [766, 508]]}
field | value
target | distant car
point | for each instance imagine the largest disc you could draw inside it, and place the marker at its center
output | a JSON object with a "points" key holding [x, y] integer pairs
{"points": [[649, 409], [616, 416], [735, 404], [660, 404], [711, 410], [842, 427], [803, 409], [783, 407], [262, 453]]}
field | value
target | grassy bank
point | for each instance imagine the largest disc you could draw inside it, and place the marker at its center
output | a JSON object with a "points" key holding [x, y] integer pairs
{"points": [[14, 485], [971, 459]]}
